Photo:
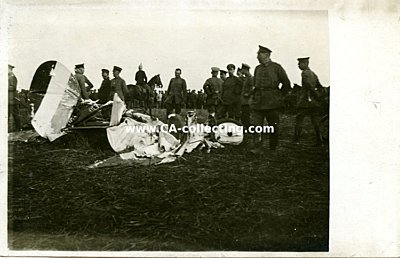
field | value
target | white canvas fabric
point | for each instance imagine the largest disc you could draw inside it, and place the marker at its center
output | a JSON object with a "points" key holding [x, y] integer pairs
{"points": [[62, 95], [117, 110]]}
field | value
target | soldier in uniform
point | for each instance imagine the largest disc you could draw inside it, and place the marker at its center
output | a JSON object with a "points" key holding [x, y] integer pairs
{"points": [[267, 99], [245, 95], [176, 93], [230, 96], [308, 104], [222, 74], [118, 85], [140, 76], [83, 80], [13, 107], [200, 99], [105, 87], [213, 87]]}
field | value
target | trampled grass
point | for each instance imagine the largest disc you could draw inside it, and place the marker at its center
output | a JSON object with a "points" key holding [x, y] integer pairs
{"points": [[228, 199]]}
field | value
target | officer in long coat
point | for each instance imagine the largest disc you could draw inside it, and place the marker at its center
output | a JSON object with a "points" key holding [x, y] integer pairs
{"points": [[83, 80], [267, 98], [230, 96], [308, 104], [176, 93]]}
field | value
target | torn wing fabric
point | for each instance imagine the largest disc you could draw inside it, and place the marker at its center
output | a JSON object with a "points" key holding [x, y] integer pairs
{"points": [[131, 133], [138, 141], [117, 110], [55, 110]]}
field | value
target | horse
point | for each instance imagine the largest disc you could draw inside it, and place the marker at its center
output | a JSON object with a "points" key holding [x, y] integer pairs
{"points": [[144, 93]]}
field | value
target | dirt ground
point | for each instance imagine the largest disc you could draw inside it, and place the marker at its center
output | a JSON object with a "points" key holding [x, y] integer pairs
{"points": [[228, 199]]}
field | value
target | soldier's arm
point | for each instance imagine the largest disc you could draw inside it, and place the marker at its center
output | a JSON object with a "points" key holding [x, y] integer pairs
{"points": [[184, 88], [81, 82], [247, 87], [88, 82], [15, 82], [145, 77], [284, 79], [124, 88], [206, 87]]}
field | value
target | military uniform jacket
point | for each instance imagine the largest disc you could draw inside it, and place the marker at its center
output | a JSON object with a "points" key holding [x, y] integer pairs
{"points": [[176, 91], [82, 79], [118, 86], [12, 88], [247, 90], [267, 78], [141, 78], [308, 94], [231, 90], [104, 91], [213, 87]]}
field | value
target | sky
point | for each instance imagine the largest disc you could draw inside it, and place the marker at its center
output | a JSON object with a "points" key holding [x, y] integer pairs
{"points": [[103, 34]]}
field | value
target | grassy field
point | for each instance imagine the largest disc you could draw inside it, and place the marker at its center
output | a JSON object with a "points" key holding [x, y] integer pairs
{"points": [[228, 199]]}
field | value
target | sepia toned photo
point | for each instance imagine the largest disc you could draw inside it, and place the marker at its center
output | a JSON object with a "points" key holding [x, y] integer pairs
{"points": [[134, 127]]}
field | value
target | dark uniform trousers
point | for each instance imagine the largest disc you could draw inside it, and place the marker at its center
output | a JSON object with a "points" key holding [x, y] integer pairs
{"points": [[314, 114], [231, 111], [13, 109], [272, 117], [245, 116], [13, 106], [173, 106]]}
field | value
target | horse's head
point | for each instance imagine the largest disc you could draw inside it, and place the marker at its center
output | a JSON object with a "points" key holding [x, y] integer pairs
{"points": [[158, 81]]}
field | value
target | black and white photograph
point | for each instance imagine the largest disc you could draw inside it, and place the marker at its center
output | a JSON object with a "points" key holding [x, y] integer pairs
{"points": [[168, 126]]}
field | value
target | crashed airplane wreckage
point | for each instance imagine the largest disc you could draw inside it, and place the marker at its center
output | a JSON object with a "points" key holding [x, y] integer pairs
{"points": [[137, 138]]}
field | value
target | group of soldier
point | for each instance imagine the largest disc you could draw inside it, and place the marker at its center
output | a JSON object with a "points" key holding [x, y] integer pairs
{"points": [[254, 99], [246, 98]]}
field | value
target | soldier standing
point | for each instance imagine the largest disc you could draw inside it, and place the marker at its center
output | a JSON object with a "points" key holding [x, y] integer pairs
{"points": [[105, 87], [200, 99], [213, 87], [176, 93], [118, 85], [267, 98], [230, 96], [308, 104], [83, 80], [13, 107], [245, 95]]}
